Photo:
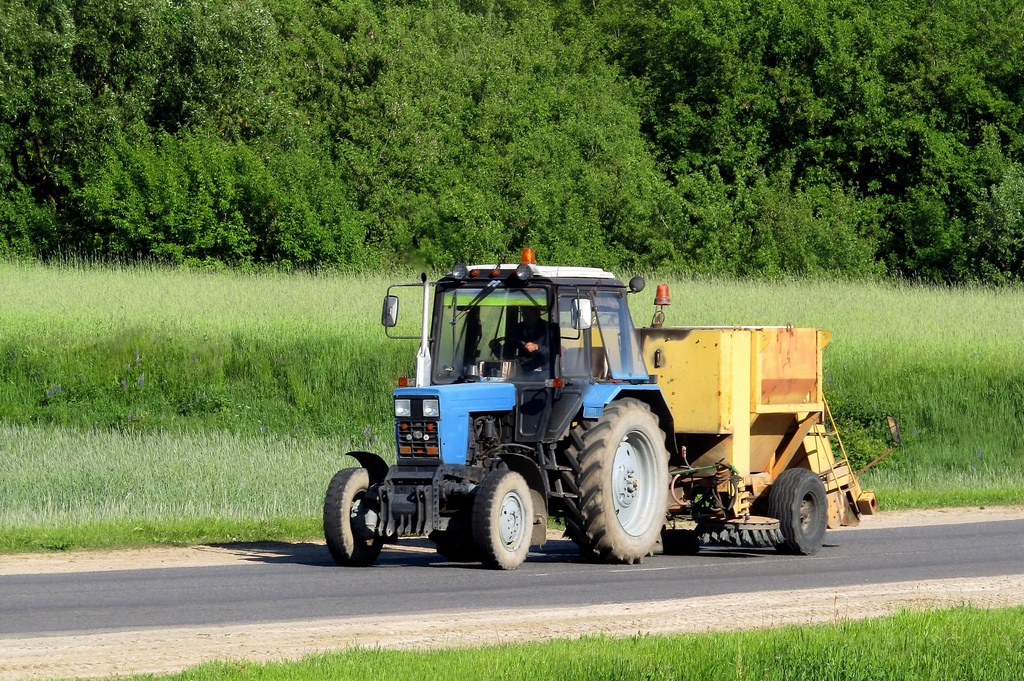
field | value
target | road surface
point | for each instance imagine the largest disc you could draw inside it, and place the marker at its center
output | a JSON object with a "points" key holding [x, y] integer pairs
{"points": [[296, 591]]}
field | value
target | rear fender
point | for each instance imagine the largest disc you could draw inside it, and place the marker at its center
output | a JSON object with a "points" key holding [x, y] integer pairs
{"points": [[605, 393]]}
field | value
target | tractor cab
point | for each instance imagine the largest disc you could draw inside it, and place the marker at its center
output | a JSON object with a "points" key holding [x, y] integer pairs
{"points": [[554, 333], [529, 323]]}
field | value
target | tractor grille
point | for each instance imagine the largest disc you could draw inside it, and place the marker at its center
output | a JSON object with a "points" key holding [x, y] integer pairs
{"points": [[417, 437]]}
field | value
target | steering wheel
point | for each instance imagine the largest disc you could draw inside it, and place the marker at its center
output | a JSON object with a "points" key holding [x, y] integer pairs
{"points": [[499, 344]]}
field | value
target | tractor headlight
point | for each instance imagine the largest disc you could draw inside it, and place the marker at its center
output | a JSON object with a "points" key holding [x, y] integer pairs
{"points": [[403, 407], [431, 408]]}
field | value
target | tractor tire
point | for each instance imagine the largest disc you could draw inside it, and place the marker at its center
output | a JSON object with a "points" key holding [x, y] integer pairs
{"points": [[502, 520], [623, 484], [349, 540], [456, 547], [797, 500]]}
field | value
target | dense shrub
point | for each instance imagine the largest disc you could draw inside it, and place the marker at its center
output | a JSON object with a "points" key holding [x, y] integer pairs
{"points": [[912, 109], [735, 136]]}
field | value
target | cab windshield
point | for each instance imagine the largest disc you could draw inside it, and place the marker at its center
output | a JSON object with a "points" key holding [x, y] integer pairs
{"points": [[492, 334]]}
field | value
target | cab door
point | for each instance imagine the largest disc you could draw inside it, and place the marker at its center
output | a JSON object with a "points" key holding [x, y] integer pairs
{"points": [[572, 365]]}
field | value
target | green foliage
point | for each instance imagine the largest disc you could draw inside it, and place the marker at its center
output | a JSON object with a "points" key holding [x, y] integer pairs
{"points": [[909, 107], [998, 244], [338, 135], [479, 135], [197, 199], [770, 229], [751, 138]]}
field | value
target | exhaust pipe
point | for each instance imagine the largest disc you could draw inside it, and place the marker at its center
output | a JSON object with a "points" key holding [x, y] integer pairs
{"points": [[423, 355]]}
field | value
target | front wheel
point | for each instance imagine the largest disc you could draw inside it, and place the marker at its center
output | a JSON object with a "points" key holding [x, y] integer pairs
{"points": [[623, 484], [797, 500], [503, 520], [347, 515]]}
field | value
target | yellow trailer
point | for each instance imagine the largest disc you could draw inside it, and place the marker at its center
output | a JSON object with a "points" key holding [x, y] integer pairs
{"points": [[749, 415]]}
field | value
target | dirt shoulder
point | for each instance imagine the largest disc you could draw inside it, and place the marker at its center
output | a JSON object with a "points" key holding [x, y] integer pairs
{"points": [[160, 651]]}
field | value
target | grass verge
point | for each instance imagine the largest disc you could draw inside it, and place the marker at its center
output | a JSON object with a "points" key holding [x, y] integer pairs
{"points": [[124, 534], [957, 644]]}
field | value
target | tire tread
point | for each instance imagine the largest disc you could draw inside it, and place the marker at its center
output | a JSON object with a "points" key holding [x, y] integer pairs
{"points": [[596, 540], [783, 504], [344, 546]]}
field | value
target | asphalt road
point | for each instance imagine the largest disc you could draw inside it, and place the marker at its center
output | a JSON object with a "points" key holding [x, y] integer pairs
{"points": [[303, 582]]}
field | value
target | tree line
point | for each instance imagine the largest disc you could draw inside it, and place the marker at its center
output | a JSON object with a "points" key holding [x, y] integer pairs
{"points": [[747, 137]]}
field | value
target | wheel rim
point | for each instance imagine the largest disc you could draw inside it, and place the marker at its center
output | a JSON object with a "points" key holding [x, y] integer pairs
{"points": [[807, 513], [806, 510], [362, 518], [511, 521], [634, 465]]}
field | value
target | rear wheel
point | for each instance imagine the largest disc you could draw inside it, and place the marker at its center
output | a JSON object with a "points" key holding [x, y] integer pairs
{"points": [[623, 484], [347, 519], [797, 499], [503, 520]]}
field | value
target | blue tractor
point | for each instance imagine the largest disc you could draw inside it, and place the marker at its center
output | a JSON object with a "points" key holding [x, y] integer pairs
{"points": [[531, 400]]}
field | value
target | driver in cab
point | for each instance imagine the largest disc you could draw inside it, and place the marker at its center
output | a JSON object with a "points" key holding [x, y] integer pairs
{"points": [[532, 335], [529, 343]]}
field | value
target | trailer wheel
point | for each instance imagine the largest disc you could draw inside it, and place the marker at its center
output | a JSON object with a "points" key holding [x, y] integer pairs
{"points": [[623, 484], [503, 520], [350, 540], [797, 499]]}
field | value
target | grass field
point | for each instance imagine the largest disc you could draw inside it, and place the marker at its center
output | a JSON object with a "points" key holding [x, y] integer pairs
{"points": [[215, 405], [962, 644]]}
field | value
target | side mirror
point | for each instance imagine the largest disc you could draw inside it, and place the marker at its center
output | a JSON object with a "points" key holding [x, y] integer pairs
{"points": [[582, 314], [637, 284], [389, 315]]}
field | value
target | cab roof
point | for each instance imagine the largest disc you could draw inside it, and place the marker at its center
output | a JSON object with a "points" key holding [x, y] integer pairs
{"points": [[550, 271]]}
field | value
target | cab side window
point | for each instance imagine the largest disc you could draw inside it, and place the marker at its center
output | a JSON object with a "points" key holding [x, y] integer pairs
{"points": [[574, 343]]}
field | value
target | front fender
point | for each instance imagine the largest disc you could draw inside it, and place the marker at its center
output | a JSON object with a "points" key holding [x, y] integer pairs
{"points": [[374, 465]]}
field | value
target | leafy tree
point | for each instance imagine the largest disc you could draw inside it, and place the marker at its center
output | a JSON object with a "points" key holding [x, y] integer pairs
{"points": [[891, 102], [998, 243], [735, 136]]}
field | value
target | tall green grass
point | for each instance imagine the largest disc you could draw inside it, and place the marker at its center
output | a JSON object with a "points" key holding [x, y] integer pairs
{"points": [[70, 474], [960, 644], [141, 349], [142, 395], [143, 487]]}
